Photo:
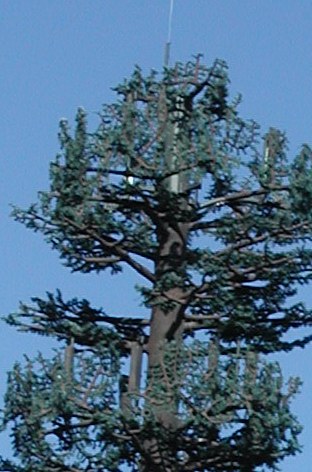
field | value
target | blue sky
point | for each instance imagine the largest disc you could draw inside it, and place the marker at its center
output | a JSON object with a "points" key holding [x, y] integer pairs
{"points": [[60, 54]]}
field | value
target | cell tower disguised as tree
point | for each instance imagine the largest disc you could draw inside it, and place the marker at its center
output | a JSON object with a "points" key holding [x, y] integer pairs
{"points": [[176, 186]]}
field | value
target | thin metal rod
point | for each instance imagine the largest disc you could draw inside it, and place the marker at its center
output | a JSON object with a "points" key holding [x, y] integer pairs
{"points": [[170, 21], [168, 43]]}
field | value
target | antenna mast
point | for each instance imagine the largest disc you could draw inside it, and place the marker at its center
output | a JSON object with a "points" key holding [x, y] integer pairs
{"points": [[168, 43], [174, 181]]}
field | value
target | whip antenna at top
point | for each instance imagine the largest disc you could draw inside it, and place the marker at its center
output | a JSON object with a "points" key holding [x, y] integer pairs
{"points": [[168, 43]]}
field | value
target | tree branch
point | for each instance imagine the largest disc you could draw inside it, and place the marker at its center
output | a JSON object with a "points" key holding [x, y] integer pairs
{"points": [[114, 247], [240, 195]]}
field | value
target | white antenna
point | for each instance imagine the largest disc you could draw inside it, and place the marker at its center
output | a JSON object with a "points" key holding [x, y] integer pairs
{"points": [[174, 181], [170, 21], [168, 43]]}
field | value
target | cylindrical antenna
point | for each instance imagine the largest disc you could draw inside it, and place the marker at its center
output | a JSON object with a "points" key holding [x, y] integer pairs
{"points": [[174, 181], [168, 43]]}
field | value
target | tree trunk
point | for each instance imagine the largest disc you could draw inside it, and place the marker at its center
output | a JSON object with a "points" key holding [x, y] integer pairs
{"points": [[166, 327]]}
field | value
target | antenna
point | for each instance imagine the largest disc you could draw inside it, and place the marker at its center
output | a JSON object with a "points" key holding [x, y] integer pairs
{"points": [[174, 181], [168, 43]]}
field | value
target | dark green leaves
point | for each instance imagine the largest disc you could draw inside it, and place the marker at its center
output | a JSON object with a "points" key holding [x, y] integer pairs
{"points": [[177, 186]]}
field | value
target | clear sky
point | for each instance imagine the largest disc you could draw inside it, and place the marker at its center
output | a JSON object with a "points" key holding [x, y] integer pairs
{"points": [[56, 55]]}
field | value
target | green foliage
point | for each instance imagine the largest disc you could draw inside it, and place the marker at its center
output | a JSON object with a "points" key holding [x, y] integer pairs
{"points": [[174, 184], [64, 423], [232, 403]]}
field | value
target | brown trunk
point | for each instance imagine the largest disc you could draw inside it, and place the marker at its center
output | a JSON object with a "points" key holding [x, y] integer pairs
{"points": [[166, 327]]}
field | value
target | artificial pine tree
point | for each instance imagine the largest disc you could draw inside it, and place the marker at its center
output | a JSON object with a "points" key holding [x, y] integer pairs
{"points": [[176, 186]]}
